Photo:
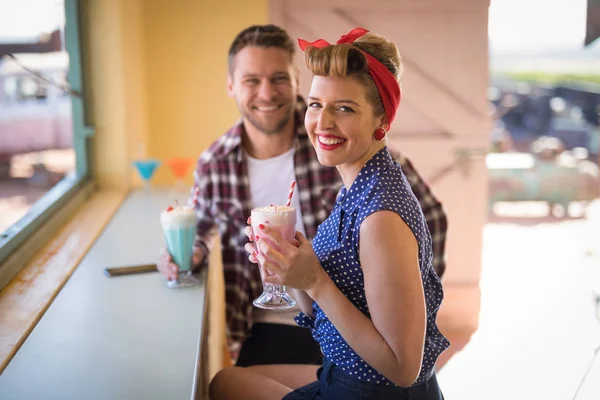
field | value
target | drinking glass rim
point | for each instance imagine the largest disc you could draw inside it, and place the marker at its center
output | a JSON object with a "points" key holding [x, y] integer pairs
{"points": [[276, 211]]}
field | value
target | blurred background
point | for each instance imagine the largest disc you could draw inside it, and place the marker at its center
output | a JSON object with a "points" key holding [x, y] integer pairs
{"points": [[501, 115]]}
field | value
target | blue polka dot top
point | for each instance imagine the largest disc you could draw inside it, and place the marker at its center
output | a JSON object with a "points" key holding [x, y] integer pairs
{"points": [[380, 185]]}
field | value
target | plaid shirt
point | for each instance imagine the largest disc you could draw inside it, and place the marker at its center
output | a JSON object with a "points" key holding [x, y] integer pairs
{"points": [[432, 210], [224, 203]]}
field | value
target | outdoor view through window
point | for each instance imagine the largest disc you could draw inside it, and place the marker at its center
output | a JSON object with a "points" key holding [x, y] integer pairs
{"points": [[36, 146]]}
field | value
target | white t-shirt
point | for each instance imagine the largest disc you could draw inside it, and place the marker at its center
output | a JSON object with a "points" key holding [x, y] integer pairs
{"points": [[270, 182]]}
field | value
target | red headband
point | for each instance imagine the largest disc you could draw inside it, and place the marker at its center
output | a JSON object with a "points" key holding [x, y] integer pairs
{"points": [[387, 85]]}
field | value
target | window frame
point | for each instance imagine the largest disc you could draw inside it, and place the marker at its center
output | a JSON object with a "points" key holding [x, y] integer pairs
{"points": [[59, 197]]}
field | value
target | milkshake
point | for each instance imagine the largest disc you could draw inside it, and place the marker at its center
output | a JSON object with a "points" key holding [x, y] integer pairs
{"points": [[283, 220], [179, 227]]}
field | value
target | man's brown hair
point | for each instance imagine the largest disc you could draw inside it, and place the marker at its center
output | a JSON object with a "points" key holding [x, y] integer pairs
{"points": [[261, 36]]}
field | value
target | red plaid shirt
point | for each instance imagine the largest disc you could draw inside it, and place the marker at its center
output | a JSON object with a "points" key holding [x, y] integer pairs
{"points": [[224, 203]]}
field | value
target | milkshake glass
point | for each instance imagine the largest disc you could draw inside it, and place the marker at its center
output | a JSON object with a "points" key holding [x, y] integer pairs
{"points": [[179, 227], [283, 220]]}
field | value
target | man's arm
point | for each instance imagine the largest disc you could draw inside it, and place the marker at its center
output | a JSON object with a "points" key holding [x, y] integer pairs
{"points": [[433, 211], [205, 221]]}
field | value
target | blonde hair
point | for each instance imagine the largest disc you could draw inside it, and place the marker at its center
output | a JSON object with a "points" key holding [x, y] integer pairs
{"points": [[348, 60]]}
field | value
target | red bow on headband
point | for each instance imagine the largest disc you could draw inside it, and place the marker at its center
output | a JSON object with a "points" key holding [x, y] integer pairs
{"points": [[386, 83]]}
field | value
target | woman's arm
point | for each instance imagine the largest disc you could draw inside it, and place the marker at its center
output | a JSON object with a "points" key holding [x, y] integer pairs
{"points": [[304, 301], [392, 340]]}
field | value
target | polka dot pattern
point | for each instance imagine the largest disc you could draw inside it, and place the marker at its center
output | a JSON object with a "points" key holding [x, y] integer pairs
{"points": [[380, 185]]}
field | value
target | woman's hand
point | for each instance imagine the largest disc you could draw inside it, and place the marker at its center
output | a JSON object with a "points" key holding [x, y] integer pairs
{"points": [[251, 248], [290, 264]]}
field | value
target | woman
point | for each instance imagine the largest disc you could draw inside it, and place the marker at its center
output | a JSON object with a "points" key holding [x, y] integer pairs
{"points": [[367, 291]]}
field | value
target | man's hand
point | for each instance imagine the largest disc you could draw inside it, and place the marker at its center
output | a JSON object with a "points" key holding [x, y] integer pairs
{"points": [[166, 266], [169, 269]]}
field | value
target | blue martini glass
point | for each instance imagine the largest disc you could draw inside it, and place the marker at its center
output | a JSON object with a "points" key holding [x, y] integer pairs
{"points": [[146, 169]]}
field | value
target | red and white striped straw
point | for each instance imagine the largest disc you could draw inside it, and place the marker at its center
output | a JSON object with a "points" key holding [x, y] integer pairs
{"points": [[291, 194], [195, 198]]}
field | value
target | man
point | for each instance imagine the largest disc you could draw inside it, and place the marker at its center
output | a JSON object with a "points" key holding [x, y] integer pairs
{"points": [[253, 165]]}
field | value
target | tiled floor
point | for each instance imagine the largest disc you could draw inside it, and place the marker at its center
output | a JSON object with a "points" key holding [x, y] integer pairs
{"points": [[538, 324]]}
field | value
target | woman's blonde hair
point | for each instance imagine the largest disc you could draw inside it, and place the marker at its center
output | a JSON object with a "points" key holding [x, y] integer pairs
{"points": [[348, 60]]}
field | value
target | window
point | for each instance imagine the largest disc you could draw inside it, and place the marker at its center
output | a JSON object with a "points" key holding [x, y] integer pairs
{"points": [[20, 89], [32, 88], [10, 89], [61, 79], [44, 141]]}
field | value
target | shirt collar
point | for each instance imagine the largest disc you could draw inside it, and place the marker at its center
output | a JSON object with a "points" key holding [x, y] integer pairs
{"points": [[381, 161]]}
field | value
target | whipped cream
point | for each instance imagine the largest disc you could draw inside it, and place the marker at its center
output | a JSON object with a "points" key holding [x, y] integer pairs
{"points": [[274, 215], [178, 217]]}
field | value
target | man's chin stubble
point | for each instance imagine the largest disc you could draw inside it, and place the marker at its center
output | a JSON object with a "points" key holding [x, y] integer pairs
{"points": [[271, 132]]}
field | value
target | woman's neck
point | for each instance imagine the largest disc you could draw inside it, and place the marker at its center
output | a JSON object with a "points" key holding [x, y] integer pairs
{"points": [[349, 171]]}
